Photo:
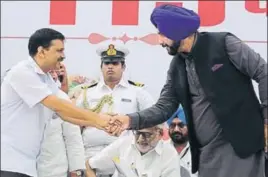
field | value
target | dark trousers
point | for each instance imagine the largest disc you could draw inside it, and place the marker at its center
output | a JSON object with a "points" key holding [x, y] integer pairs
{"points": [[12, 174]]}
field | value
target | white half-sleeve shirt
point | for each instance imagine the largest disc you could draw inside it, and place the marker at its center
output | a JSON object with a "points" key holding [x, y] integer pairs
{"points": [[23, 117]]}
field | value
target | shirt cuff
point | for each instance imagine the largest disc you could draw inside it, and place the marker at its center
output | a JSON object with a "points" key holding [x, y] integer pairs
{"points": [[91, 164], [38, 99], [98, 167], [134, 121], [77, 166]]}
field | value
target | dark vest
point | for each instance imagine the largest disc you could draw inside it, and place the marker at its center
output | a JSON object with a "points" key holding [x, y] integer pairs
{"points": [[230, 92]]}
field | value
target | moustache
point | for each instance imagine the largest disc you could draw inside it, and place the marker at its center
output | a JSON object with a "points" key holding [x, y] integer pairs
{"points": [[143, 143], [178, 137], [173, 49], [61, 59], [164, 45], [176, 134]]}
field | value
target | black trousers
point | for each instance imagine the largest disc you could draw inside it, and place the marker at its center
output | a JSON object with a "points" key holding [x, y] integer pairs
{"points": [[12, 174]]}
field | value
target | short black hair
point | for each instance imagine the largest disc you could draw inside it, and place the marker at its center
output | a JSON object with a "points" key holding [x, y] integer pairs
{"points": [[43, 37]]}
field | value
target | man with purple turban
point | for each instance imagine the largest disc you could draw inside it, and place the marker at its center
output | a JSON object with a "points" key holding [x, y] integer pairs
{"points": [[211, 76]]}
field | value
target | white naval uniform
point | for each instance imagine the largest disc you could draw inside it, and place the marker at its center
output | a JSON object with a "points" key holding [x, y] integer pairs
{"points": [[185, 161], [161, 161], [62, 149], [23, 118], [127, 99]]}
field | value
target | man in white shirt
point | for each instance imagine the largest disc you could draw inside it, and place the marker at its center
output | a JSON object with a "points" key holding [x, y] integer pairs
{"points": [[62, 149], [141, 154], [178, 133], [113, 94], [28, 101]]}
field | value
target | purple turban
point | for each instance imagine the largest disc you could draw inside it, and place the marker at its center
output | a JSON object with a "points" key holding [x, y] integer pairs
{"points": [[176, 23]]}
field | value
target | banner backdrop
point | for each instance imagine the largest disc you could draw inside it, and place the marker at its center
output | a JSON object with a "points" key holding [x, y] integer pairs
{"points": [[91, 24]]}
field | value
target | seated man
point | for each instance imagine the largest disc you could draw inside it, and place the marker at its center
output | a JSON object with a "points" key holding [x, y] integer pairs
{"points": [[178, 133], [141, 154]]}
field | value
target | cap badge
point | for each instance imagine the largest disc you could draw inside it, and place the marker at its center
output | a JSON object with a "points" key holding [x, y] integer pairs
{"points": [[111, 50]]}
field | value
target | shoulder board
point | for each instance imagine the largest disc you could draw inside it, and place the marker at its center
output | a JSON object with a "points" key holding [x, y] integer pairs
{"points": [[135, 83], [89, 86]]}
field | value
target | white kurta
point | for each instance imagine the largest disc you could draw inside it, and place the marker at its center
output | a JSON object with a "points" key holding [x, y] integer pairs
{"points": [[62, 149], [161, 161], [185, 161]]}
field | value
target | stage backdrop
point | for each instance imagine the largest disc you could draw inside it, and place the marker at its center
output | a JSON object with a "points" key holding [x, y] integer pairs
{"points": [[90, 24]]}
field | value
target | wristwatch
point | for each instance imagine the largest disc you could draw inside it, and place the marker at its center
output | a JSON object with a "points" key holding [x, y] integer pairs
{"points": [[79, 173]]}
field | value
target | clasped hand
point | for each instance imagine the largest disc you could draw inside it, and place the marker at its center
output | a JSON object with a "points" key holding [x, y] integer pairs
{"points": [[116, 124]]}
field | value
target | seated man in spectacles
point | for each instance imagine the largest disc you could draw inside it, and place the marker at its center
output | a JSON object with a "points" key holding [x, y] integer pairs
{"points": [[141, 154]]}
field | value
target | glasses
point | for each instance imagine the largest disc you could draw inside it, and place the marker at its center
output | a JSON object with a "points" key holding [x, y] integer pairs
{"points": [[173, 125], [146, 135]]}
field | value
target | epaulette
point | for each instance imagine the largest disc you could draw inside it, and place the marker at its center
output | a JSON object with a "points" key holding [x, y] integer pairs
{"points": [[89, 85], [135, 83]]}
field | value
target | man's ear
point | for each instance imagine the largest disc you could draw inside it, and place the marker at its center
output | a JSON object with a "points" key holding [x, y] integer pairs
{"points": [[40, 51], [124, 66]]}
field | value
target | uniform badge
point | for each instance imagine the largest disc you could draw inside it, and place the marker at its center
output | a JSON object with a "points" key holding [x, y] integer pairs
{"points": [[125, 100], [111, 51]]}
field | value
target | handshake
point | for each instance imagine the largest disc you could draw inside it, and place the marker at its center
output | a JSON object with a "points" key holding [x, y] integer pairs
{"points": [[113, 124]]}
